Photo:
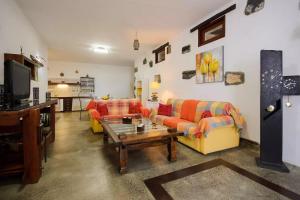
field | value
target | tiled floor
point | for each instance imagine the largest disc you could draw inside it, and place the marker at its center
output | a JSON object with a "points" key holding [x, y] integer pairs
{"points": [[81, 167]]}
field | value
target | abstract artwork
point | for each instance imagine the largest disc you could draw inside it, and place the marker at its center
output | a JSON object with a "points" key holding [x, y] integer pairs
{"points": [[234, 78], [254, 6], [188, 74], [210, 66]]}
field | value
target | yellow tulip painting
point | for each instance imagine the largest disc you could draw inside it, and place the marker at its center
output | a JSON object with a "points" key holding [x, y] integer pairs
{"points": [[210, 66]]}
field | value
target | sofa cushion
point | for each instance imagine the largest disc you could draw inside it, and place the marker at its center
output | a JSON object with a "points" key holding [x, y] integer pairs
{"points": [[102, 109], [206, 114], [165, 109], [173, 121], [134, 107], [159, 119], [188, 110], [91, 105], [214, 107], [176, 106]]}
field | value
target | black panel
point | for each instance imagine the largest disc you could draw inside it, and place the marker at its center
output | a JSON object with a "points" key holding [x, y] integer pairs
{"points": [[271, 119], [291, 85]]}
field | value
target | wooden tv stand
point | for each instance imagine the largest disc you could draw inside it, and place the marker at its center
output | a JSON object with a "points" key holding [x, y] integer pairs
{"points": [[26, 121]]}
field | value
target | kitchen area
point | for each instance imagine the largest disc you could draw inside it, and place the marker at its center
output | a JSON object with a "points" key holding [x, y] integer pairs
{"points": [[72, 94]]}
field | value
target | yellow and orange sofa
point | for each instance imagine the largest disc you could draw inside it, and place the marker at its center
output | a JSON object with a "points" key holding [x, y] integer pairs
{"points": [[208, 126], [117, 108]]}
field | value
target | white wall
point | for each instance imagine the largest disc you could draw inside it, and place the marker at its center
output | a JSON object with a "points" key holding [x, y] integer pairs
{"points": [[277, 27], [114, 80], [16, 31]]}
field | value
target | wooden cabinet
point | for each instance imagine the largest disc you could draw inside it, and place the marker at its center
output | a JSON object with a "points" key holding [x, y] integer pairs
{"points": [[25, 122], [67, 104]]}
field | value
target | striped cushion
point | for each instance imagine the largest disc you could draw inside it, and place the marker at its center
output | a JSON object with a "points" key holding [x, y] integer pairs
{"points": [[176, 106]]}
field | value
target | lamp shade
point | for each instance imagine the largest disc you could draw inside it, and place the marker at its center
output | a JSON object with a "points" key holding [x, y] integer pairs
{"points": [[155, 85], [136, 44]]}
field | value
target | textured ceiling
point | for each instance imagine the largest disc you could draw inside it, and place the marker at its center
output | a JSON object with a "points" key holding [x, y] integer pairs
{"points": [[71, 27]]}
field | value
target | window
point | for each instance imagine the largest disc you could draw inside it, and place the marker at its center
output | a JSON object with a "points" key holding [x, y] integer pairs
{"points": [[213, 31]]}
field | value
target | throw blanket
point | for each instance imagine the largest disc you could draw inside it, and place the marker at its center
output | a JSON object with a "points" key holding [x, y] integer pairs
{"points": [[231, 116]]}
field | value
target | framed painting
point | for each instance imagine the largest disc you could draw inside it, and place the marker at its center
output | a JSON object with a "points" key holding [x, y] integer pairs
{"points": [[210, 66]]}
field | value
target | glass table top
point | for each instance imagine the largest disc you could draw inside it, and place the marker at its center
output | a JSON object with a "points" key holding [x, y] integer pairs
{"points": [[123, 129]]}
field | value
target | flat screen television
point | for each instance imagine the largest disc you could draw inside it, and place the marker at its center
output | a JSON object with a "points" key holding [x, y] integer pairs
{"points": [[16, 82]]}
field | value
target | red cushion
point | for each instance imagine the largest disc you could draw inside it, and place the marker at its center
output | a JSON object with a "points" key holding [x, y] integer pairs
{"points": [[91, 105], [165, 109], [138, 107], [102, 109], [132, 109], [206, 114], [135, 107]]}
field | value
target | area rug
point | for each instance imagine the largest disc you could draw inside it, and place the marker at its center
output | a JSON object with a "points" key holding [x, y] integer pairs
{"points": [[216, 179]]}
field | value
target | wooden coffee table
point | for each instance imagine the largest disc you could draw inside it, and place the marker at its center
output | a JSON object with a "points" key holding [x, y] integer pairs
{"points": [[126, 137]]}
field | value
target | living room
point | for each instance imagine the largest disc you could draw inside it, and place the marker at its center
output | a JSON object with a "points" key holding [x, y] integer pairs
{"points": [[149, 99]]}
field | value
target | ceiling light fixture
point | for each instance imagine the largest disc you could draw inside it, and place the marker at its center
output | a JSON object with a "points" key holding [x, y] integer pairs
{"points": [[136, 43], [100, 49]]}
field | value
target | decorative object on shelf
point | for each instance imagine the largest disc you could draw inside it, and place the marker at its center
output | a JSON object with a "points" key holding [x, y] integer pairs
{"points": [[157, 78], [136, 69], [186, 49], [36, 60], [136, 43], [210, 66], [154, 87], [188, 74], [150, 63], [61, 74], [234, 78], [169, 49], [145, 61], [76, 71], [254, 6], [213, 28]]}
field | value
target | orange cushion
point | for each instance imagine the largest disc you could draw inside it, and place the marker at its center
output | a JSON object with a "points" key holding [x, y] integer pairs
{"points": [[173, 121], [188, 110]]}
